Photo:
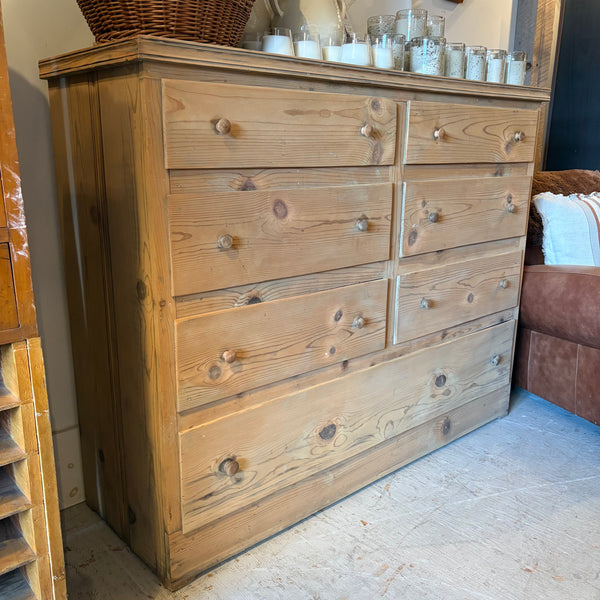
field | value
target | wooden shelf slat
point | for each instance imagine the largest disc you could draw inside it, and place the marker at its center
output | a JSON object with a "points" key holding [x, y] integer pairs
{"points": [[7, 400], [10, 451], [15, 587], [14, 550], [12, 499]]}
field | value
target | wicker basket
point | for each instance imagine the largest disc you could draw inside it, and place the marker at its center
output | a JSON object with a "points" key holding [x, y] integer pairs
{"points": [[210, 21]]}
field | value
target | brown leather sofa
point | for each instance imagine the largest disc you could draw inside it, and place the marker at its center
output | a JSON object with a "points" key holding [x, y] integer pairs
{"points": [[558, 341]]}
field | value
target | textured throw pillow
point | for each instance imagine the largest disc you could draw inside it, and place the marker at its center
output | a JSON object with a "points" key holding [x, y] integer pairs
{"points": [[571, 228]]}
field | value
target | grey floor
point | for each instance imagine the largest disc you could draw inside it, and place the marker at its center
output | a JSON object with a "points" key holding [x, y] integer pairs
{"points": [[508, 512]]}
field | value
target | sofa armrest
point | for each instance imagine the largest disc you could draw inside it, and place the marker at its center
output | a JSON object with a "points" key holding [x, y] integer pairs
{"points": [[562, 301]]}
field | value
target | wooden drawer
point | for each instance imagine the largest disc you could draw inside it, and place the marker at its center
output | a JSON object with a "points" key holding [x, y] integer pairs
{"points": [[8, 303], [272, 234], [450, 213], [211, 125], [223, 353], [430, 300], [287, 439], [456, 133]]}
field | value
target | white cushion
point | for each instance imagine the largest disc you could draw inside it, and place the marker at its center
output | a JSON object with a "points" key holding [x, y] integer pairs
{"points": [[571, 228]]}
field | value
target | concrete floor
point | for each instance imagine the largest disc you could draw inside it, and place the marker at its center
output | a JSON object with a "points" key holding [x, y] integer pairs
{"points": [[508, 512]]}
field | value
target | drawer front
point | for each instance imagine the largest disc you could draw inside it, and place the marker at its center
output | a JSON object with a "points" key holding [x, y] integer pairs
{"points": [[433, 299], [452, 133], [287, 439], [8, 302], [216, 126], [226, 239], [442, 214], [224, 353]]}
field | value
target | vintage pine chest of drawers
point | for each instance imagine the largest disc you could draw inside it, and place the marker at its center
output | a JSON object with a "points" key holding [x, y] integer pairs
{"points": [[287, 279]]}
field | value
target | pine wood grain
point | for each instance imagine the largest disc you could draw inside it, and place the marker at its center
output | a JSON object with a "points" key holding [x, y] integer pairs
{"points": [[14, 551], [10, 451], [276, 340], [434, 299], [8, 301], [12, 499], [444, 214], [7, 400], [473, 134], [284, 440], [271, 127], [269, 230], [15, 587]]}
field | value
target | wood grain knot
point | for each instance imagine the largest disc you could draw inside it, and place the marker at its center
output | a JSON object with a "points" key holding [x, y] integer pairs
{"points": [[440, 381], [332, 350], [141, 290], [327, 432], [446, 426], [470, 298], [375, 105], [338, 315], [412, 237], [214, 372], [254, 300], [280, 209], [248, 185], [509, 198]]}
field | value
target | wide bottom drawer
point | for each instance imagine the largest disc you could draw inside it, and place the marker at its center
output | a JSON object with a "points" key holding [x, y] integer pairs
{"points": [[239, 459]]}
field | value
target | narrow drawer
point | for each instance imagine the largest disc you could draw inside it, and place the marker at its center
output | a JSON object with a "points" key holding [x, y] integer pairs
{"points": [[287, 439], [224, 239], [223, 353], [211, 125], [433, 299], [442, 214], [8, 301], [455, 133]]}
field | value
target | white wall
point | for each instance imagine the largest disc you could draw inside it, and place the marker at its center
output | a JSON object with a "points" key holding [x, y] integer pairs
{"points": [[475, 22], [36, 29]]}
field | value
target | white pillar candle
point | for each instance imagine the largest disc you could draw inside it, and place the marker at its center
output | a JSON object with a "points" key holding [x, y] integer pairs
{"points": [[277, 44], [454, 65], [307, 49], [515, 72], [475, 69], [383, 58], [357, 54], [495, 70], [332, 53]]}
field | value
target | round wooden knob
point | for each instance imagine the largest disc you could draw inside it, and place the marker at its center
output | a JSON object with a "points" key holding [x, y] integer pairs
{"points": [[511, 208], [503, 284], [366, 130], [495, 360], [358, 323], [434, 217], [229, 356], [439, 134], [225, 242], [223, 126], [362, 224], [519, 136], [229, 467], [426, 304]]}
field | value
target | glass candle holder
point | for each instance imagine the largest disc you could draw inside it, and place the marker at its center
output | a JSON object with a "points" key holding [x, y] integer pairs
{"points": [[475, 63], [278, 40], [427, 55], [306, 42], [252, 41], [436, 26], [398, 42], [357, 51], [454, 60], [382, 52], [516, 66], [496, 60], [412, 23], [379, 25], [331, 44]]}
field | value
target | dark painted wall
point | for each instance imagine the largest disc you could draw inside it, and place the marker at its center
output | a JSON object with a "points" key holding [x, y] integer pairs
{"points": [[574, 141]]}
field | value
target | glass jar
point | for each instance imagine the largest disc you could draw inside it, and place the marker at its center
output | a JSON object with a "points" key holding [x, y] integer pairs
{"points": [[475, 63], [436, 26], [454, 60], [398, 42], [356, 50], [427, 55], [278, 40], [379, 25], [412, 23], [382, 53], [516, 66], [496, 60], [306, 42], [331, 44]]}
